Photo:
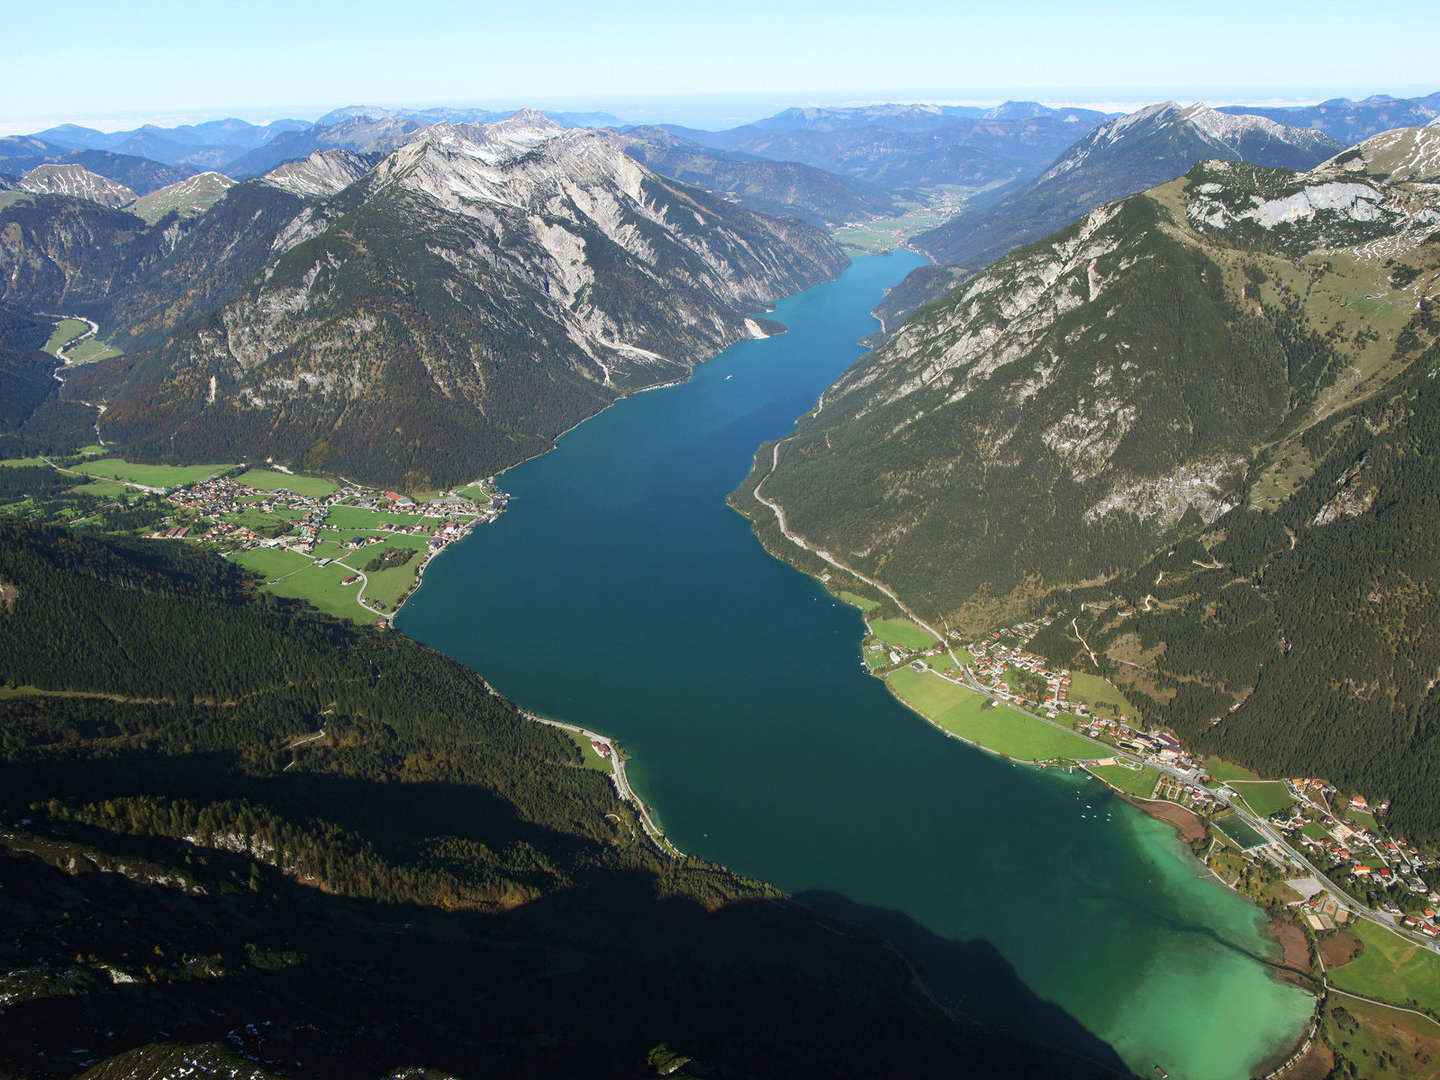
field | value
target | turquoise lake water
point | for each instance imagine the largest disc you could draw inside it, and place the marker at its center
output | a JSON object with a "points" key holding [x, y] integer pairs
{"points": [[619, 591]]}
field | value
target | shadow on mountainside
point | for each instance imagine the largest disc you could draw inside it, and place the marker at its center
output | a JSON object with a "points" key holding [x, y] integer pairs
{"points": [[974, 980]]}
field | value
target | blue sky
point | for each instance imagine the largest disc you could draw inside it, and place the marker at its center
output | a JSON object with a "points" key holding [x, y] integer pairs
{"points": [[114, 64]]}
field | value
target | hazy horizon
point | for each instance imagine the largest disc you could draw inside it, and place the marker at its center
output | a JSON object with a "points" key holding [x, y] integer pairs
{"points": [[712, 111]]}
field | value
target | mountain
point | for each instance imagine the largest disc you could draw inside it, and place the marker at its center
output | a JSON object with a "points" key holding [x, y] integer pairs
{"points": [[778, 188], [461, 115], [243, 839], [1350, 121], [186, 198], [201, 146], [361, 134], [919, 152], [323, 173], [371, 129], [1234, 368], [1118, 158], [21, 153], [139, 174], [479, 291], [913, 118], [77, 182]]}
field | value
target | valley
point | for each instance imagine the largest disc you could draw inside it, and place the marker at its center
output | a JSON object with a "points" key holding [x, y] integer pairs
{"points": [[1110, 636]]}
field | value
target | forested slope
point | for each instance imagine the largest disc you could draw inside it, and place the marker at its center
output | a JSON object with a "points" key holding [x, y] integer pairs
{"points": [[238, 835], [1242, 360]]}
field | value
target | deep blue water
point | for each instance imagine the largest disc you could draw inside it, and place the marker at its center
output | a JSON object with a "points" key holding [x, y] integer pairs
{"points": [[619, 591]]}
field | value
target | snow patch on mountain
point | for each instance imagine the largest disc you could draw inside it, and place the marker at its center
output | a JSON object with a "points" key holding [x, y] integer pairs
{"points": [[78, 182]]}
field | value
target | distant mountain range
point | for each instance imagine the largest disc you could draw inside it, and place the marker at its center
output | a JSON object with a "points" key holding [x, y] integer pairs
{"points": [[1351, 121], [1120, 157], [781, 188], [907, 147]]}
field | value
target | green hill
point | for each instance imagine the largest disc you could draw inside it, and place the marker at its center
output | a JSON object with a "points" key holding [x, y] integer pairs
{"points": [[1205, 413]]}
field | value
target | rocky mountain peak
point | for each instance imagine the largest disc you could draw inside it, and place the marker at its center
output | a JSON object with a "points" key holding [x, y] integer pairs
{"points": [[78, 182]]}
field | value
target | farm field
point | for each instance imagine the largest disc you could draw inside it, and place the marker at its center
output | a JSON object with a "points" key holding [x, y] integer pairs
{"points": [[270, 480], [968, 714], [901, 632], [89, 351], [1099, 695], [158, 476], [357, 517], [1138, 782], [864, 603], [271, 562], [320, 586], [66, 331], [1390, 968], [1221, 769], [1265, 797]]}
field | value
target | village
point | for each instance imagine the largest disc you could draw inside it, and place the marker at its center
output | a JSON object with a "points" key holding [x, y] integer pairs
{"points": [[324, 537], [1323, 853]]}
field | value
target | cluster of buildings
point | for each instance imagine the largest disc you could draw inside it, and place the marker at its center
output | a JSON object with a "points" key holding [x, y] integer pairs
{"points": [[222, 497]]}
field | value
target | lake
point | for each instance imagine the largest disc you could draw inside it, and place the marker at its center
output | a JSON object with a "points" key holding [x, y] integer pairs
{"points": [[620, 592]]}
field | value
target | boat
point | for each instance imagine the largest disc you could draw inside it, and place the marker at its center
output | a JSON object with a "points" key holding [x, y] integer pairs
{"points": [[1162, 1073]]}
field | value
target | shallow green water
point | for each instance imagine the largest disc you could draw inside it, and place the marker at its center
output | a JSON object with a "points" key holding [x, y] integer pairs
{"points": [[619, 591]]}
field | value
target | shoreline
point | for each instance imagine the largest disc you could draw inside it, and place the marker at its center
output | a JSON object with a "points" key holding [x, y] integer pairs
{"points": [[1187, 824], [618, 777]]}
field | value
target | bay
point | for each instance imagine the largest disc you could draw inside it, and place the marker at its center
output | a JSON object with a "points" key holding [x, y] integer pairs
{"points": [[620, 592]]}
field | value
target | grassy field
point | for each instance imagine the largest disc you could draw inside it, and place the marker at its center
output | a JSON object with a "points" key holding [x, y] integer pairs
{"points": [[105, 487], [87, 352], [1221, 769], [902, 632], [21, 462], [1265, 797], [1370, 1033], [320, 586], [272, 562], [998, 728], [66, 331], [357, 517], [270, 480], [1391, 969], [864, 603], [1099, 695], [588, 757], [289, 574], [1138, 782], [159, 476], [385, 587]]}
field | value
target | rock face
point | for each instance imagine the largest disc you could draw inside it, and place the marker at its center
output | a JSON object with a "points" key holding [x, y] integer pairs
{"points": [[1072, 407], [77, 182], [323, 173], [481, 289], [1118, 158], [1201, 428]]}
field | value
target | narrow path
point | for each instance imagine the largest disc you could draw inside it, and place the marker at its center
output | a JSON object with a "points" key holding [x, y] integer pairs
{"points": [[1074, 626]]}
